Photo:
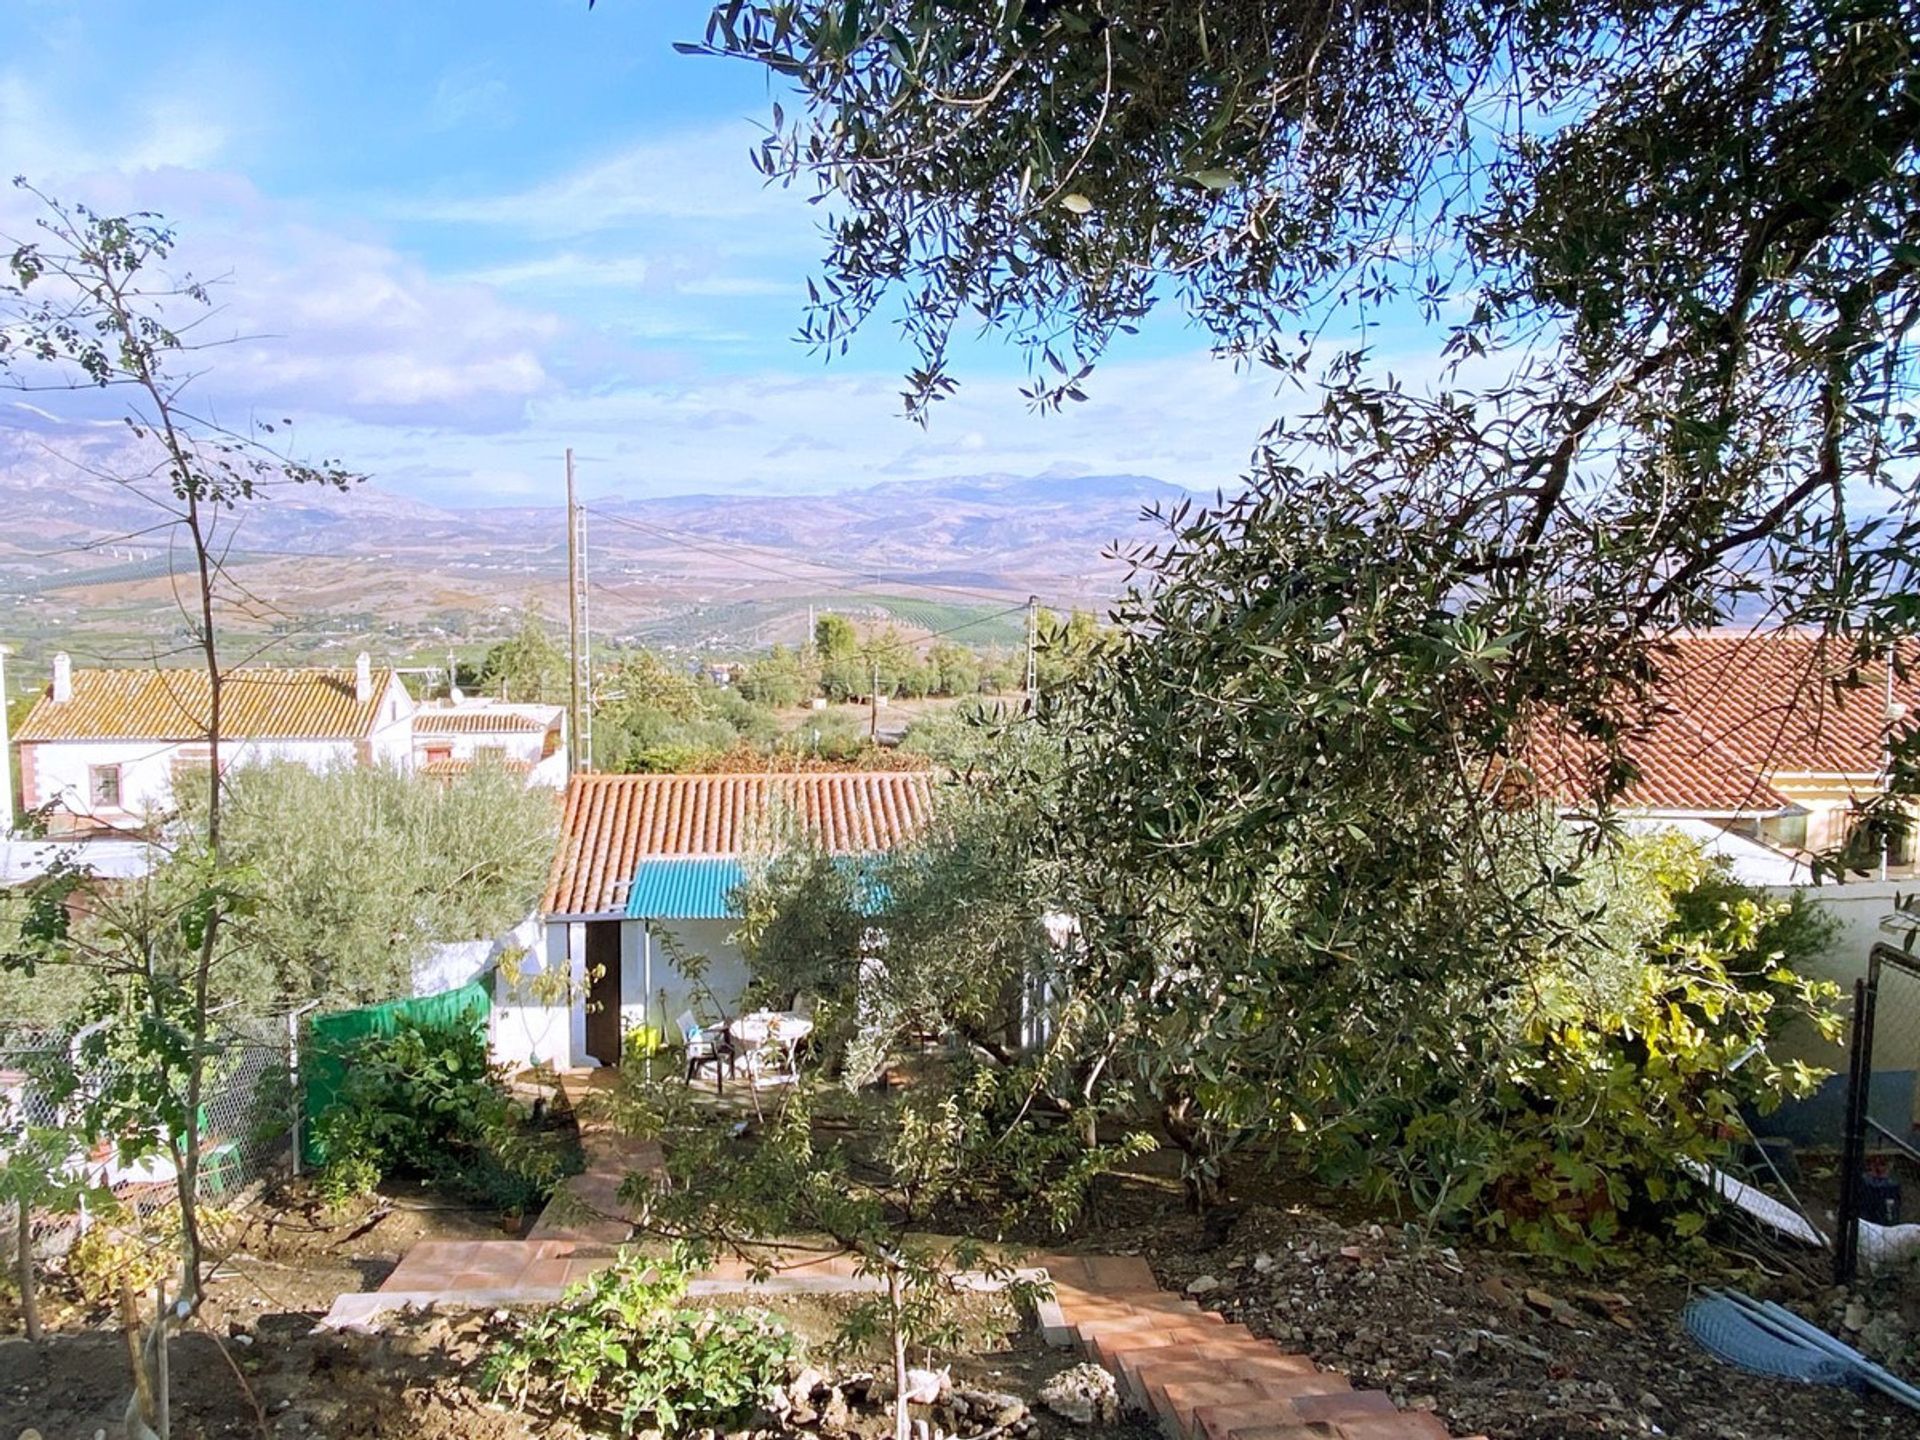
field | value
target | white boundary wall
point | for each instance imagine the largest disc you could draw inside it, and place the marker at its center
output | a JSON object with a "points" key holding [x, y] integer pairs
{"points": [[1861, 907]]}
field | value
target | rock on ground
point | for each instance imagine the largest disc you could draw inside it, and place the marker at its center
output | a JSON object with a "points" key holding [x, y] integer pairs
{"points": [[1086, 1395]]}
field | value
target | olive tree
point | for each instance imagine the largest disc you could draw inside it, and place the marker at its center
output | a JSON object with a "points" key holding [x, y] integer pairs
{"points": [[1666, 256], [352, 874], [1662, 264]]}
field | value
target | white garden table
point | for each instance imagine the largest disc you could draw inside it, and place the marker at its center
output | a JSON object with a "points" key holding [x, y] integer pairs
{"points": [[760, 1031]]}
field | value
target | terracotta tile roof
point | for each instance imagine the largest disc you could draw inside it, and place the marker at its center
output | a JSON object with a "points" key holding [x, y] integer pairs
{"points": [[447, 768], [1737, 711], [487, 720], [613, 822], [1680, 768], [262, 704], [1787, 702]]}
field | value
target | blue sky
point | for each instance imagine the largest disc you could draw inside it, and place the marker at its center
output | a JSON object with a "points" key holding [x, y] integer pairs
{"points": [[460, 235]]}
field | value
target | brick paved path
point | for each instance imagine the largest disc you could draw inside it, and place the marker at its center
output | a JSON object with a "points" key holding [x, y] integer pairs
{"points": [[1201, 1377]]}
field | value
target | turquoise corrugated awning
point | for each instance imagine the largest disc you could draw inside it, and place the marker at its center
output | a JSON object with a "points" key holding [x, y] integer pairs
{"points": [[682, 889]]}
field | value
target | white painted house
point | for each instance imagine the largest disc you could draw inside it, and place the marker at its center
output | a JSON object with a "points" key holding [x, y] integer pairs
{"points": [[449, 736], [103, 749], [647, 864]]}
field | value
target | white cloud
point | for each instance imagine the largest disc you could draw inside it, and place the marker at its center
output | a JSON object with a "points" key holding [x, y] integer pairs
{"points": [[319, 324], [699, 175], [566, 271], [464, 382], [147, 131], [1187, 419], [731, 286], [472, 96]]}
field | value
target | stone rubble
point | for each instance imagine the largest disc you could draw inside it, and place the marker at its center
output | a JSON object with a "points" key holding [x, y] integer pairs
{"points": [[1085, 1395]]}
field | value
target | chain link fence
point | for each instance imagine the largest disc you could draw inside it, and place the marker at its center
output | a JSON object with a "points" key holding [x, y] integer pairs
{"points": [[248, 1121], [1880, 1155]]}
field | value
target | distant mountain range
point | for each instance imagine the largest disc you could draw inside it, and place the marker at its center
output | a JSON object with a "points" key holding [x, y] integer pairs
{"points": [[715, 571]]}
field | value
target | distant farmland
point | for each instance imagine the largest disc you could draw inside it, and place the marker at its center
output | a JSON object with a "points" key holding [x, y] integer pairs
{"points": [[750, 623], [126, 572]]}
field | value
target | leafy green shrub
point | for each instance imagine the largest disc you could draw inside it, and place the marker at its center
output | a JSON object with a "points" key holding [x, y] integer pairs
{"points": [[425, 1102], [620, 1345], [347, 1178], [1629, 1082], [999, 1159], [1627, 1062], [801, 923]]}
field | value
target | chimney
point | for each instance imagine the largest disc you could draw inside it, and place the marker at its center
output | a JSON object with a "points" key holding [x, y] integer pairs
{"points": [[62, 678], [362, 679]]}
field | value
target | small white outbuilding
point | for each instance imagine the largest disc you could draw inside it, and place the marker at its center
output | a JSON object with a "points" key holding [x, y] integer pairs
{"points": [[646, 869]]}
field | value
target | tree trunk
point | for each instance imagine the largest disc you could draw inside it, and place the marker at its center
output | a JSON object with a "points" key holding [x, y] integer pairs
{"points": [[29, 1297], [902, 1429], [1204, 1185], [192, 489], [143, 1419], [162, 1358], [191, 1250], [197, 493]]}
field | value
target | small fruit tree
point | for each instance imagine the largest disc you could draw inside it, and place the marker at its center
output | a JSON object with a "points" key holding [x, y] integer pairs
{"points": [[958, 1148]]}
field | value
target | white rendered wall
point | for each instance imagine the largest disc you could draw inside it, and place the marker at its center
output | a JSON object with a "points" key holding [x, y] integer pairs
{"points": [[726, 969], [61, 770], [391, 742], [527, 1032], [449, 966], [1861, 907], [532, 1028]]}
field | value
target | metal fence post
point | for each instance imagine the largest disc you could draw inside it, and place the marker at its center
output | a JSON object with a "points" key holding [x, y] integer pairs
{"points": [[299, 1100], [1846, 1240], [1853, 1152]]}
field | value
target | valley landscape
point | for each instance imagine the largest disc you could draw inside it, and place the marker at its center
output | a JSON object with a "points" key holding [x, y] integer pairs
{"points": [[89, 564]]}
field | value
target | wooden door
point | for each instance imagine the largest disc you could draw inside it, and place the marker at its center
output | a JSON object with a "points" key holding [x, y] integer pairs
{"points": [[603, 995]]}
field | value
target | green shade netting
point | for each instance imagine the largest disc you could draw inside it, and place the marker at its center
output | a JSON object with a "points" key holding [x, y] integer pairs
{"points": [[331, 1039]]}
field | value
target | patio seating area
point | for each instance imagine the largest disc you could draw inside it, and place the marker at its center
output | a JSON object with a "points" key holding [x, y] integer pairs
{"points": [[761, 1047]]}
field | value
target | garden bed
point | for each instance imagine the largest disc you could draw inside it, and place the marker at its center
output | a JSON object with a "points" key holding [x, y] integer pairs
{"points": [[287, 1252], [1493, 1341], [417, 1379]]}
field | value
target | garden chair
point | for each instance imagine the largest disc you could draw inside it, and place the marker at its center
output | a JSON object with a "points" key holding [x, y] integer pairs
{"points": [[706, 1047]]}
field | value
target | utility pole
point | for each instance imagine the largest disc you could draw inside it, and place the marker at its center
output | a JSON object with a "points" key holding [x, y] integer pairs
{"points": [[6, 754], [1033, 644], [586, 648], [1894, 712], [574, 755], [873, 718]]}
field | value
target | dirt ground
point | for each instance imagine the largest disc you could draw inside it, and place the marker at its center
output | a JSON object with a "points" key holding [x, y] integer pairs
{"points": [[412, 1382], [254, 1364], [1503, 1343], [286, 1257], [287, 1253], [1494, 1342]]}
